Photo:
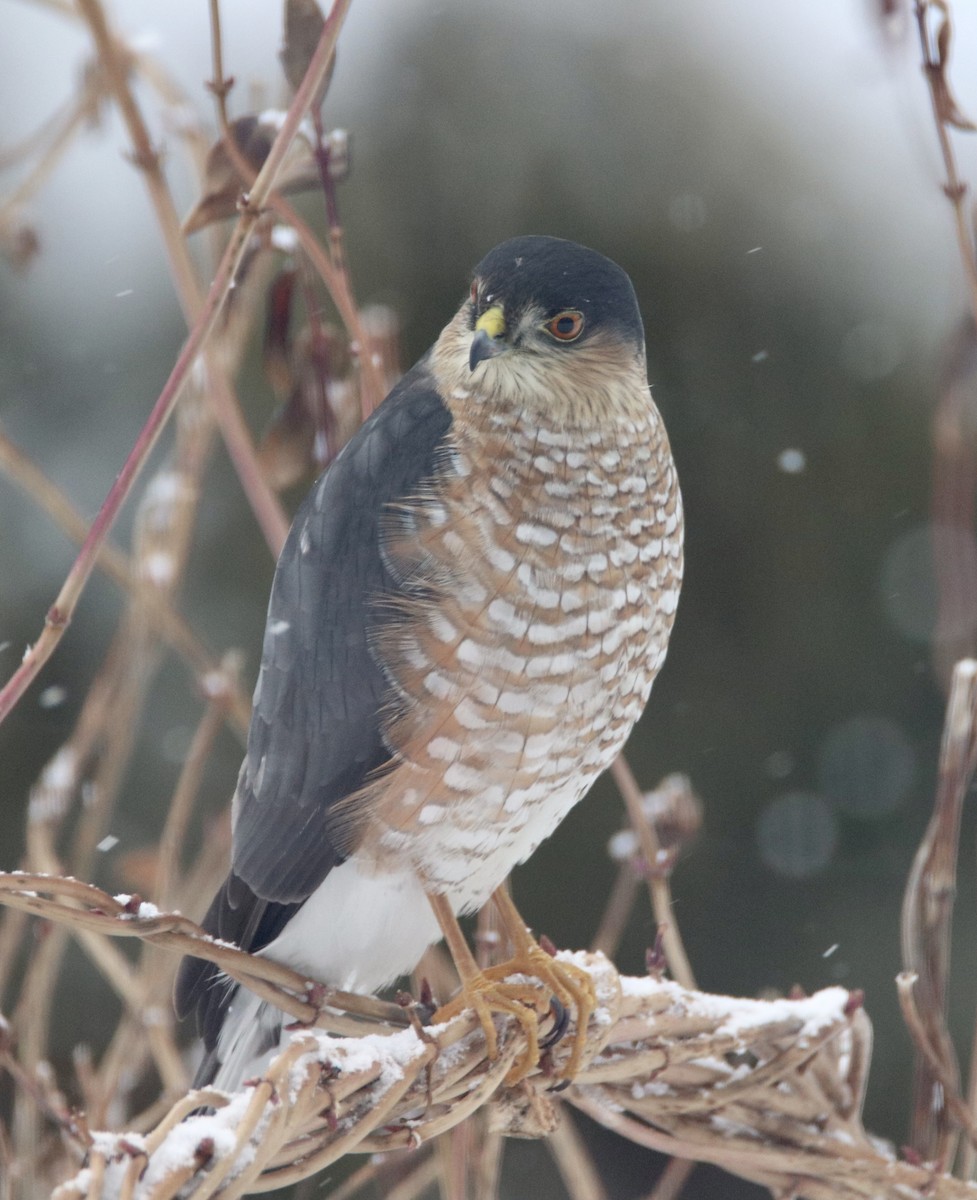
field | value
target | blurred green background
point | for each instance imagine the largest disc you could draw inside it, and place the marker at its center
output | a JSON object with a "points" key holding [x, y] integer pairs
{"points": [[768, 175]]}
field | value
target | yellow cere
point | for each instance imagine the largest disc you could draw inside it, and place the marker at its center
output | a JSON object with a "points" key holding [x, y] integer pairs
{"points": [[492, 321]]}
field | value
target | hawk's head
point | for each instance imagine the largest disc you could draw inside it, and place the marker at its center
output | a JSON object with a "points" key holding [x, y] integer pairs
{"points": [[550, 325]]}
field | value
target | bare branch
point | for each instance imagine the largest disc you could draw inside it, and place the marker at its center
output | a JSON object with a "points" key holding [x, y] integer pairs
{"points": [[926, 921], [656, 1071], [61, 612]]}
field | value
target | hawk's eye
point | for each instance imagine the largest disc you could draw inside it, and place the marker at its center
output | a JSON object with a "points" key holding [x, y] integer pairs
{"points": [[566, 326]]}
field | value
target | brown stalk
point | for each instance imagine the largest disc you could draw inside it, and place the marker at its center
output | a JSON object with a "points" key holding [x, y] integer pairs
{"points": [[577, 1169], [62, 610], [927, 906], [953, 435], [659, 890], [157, 968], [927, 914], [935, 64], [806, 1144], [954, 484], [374, 387], [188, 785], [332, 269], [59, 135], [83, 906], [617, 912], [113, 60], [672, 1180], [944, 1073], [163, 533], [162, 617], [416, 1182], [43, 1100]]}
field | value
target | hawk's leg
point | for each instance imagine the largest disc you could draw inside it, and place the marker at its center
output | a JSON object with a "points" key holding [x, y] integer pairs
{"points": [[487, 993], [570, 984]]}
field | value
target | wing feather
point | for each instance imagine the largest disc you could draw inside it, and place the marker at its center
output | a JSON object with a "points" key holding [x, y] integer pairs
{"points": [[316, 731]]}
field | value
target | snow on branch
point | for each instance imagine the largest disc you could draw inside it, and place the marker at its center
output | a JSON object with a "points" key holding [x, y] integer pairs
{"points": [[770, 1090]]}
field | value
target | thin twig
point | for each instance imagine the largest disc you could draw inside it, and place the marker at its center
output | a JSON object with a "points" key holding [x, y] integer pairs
{"points": [[160, 613], [948, 1096], [577, 1169], [616, 912], [954, 188], [657, 875], [59, 134], [114, 61], [188, 785], [31, 1086], [927, 909], [84, 906], [60, 613], [672, 1180], [331, 267], [373, 387]]}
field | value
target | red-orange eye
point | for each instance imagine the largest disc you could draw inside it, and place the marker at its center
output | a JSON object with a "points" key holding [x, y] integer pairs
{"points": [[566, 326]]}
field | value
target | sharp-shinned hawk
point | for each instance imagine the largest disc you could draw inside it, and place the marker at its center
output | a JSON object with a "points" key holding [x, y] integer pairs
{"points": [[464, 626]]}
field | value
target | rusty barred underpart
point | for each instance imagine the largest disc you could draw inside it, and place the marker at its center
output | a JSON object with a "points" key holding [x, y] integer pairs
{"points": [[465, 625]]}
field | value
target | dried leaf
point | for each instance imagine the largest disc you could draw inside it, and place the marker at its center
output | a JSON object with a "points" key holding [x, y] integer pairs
{"points": [[321, 414], [276, 351], [284, 450], [949, 111], [19, 244], [253, 137], [303, 28], [943, 37]]}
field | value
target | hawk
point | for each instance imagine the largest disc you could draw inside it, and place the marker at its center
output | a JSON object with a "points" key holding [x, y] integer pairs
{"points": [[464, 627]]}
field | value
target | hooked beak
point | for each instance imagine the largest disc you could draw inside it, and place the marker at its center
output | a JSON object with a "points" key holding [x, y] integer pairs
{"points": [[488, 339]]}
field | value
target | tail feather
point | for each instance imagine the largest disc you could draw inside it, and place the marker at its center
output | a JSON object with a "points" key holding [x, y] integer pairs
{"points": [[248, 1039], [236, 915]]}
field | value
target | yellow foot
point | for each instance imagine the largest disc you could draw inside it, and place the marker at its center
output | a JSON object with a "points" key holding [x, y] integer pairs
{"points": [[570, 984], [489, 992], [486, 993]]}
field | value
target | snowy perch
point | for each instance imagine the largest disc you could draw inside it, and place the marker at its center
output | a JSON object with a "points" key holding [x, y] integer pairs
{"points": [[769, 1090]]}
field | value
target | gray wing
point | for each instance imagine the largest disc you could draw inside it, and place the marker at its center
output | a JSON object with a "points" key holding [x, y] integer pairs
{"points": [[315, 733]]}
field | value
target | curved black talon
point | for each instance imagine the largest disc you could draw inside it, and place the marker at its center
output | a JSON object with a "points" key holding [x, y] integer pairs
{"points": [[425, 1012], [561, 1019]]}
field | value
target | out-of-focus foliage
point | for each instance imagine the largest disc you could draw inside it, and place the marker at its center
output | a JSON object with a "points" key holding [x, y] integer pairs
{"points": [[768, 176]]}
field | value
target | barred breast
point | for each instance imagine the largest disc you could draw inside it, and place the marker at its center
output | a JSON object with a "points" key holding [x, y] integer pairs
{"points": [[546, 567]]}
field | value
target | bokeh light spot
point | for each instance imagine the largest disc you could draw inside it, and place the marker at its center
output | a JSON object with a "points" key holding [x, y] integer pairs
{"points": [[870, 351], [866, 766], [779, 764], [908, 585], [797, 835], [687, 212], [791, 461]]}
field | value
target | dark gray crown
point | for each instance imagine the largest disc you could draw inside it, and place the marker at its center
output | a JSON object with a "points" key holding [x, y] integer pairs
{"points": [[557, 275]]}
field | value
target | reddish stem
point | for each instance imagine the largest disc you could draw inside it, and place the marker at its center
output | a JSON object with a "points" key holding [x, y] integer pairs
{"points": [[60, 613]]}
